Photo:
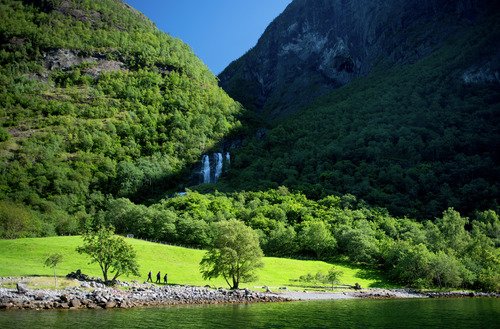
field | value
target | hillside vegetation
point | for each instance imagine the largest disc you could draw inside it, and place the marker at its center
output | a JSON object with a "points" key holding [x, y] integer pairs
{"points": [[449, 251], [415, 139], [96, 101]]}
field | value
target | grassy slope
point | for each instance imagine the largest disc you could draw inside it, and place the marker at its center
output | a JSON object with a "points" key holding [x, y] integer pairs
{"points": [[23, 257]]}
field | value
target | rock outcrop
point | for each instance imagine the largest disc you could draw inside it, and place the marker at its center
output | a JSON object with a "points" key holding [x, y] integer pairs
{"points": [[65, 59], [315, 46]]}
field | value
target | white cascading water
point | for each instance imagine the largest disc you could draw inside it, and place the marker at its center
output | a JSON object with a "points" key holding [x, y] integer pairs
{"points": [[205, 169], [228, 159], [218, 166]]}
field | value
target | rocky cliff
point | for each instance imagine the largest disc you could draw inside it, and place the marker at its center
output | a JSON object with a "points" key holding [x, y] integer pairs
{"points": [[315, 46]]}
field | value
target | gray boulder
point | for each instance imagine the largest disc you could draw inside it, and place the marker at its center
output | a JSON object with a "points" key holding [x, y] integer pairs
{"points": [[21, 288]]}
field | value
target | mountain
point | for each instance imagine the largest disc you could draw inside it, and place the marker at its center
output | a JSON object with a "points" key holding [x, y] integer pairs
{"points": [[315, 46], [395, 102], [96, 102], [102, 115]]}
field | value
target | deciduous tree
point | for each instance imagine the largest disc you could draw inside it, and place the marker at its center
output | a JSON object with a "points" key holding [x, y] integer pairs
{"points": [[316, 237], [111, 252], [234, 254], [52, 261]]}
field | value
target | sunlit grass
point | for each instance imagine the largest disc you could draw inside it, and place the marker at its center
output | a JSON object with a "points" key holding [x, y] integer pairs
{"points": [[40, 282], [25, 257]]}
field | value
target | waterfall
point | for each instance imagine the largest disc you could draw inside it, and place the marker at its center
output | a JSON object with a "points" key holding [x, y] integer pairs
{"points": [[205, 168], [212, 166], [218, 166], [227, 162]]}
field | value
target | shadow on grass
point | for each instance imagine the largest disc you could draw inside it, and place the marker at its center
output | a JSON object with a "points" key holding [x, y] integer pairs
{"points": [[366, 273], [380, 281]]}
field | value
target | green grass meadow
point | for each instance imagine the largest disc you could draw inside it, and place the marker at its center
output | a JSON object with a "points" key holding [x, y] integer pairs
{"points": [[25, 257]]}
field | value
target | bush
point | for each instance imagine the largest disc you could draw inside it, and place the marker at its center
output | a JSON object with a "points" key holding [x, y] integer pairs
{"points": [[16, 221], [4, 135]]}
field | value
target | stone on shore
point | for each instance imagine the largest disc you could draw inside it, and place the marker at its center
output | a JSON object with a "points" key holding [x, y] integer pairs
{"points": [[76, 303], [21, 288]]}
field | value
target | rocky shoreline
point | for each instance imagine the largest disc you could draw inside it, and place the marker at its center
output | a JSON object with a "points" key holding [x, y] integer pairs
{"points": [[461, 294], [96, 295], [409, 293], [134, 295], [383, 294]]}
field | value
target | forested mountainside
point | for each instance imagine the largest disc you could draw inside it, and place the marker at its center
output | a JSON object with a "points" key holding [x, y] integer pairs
{"points": [[415, 128], [101, 112], [95, 101]]}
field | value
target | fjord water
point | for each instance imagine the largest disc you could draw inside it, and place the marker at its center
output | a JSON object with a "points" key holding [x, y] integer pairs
{"points": [[409, 313]]}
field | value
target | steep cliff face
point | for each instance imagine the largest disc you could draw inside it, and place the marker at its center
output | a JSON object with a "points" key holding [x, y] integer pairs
{"points": [[315, 46]]}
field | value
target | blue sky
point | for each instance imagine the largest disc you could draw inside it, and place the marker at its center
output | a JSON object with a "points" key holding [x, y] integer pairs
{"points": [[219, 31]]}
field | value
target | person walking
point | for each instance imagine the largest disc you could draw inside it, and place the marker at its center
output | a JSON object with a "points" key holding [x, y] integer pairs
{"points": [[165, 278], [158, 277], [149, 277]]}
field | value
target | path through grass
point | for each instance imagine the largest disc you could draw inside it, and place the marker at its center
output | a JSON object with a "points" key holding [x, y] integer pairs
{"points": [[25, 257]]}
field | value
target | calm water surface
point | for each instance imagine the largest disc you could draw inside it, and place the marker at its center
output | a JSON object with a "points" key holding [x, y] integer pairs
{"points": [[420, 313]]}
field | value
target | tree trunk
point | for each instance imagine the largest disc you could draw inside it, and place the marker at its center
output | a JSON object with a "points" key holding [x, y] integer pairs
{"points": [[236, 283], [227, 281], [104, 269], [117, 274]]}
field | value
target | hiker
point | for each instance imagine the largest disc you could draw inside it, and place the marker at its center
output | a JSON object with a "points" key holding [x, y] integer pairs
{"points": [[165, 278], [158, 277], [149, 277]]}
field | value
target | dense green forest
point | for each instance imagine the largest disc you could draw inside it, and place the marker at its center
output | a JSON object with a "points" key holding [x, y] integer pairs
{"points": [[96, 101], [450, 251], [414, 138]]}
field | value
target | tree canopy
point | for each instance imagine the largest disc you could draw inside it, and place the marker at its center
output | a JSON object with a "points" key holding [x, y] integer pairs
{"points": [[111, 252], [234, 253], [447, 251]]}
